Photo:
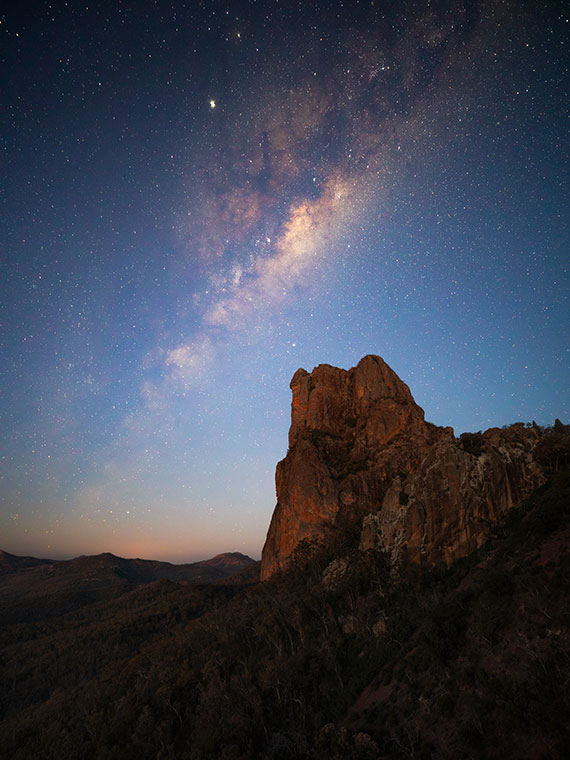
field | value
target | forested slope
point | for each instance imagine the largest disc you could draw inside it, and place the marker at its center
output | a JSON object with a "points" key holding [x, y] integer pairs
{"points": [[335, 658]]}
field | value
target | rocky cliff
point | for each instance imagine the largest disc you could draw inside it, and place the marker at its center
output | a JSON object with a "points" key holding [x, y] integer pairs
{"points": [[361, 453]]}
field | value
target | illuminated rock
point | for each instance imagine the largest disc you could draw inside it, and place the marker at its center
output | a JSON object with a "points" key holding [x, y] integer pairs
{"points": [[361, 454]]}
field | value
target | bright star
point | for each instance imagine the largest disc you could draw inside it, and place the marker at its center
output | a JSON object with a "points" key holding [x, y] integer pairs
{"points": [[212, 103]]}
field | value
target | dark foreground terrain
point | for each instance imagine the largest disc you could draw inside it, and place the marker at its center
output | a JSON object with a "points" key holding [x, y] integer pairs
{"points": [[332, 659]]}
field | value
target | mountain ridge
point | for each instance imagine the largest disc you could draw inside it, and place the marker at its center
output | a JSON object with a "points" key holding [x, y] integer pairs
{"points": [[50, 588], [13, 562]]}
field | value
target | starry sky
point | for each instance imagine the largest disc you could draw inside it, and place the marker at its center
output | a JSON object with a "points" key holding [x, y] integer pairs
{"points": [[201, 197]]}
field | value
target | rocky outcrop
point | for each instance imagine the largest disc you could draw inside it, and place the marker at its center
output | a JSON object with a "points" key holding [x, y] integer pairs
{"points": [[361, 452], [447, 506]]}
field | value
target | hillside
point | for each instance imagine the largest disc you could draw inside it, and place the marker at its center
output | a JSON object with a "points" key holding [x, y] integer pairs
{"points": [[10, 563], [334, 658], [34, 589], [415, 604]]}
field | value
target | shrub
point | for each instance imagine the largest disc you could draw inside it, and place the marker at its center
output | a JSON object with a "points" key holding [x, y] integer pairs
{"points": [[472, 443]]}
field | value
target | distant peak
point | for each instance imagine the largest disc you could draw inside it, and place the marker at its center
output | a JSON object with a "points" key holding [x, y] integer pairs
{"points": [[229, 558], [102, 555]]}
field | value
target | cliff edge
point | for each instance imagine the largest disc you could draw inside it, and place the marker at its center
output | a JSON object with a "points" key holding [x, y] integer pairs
{"points": [[361, 453]]}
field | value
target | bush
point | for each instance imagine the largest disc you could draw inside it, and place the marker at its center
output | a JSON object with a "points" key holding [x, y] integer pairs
{"points": [[553, 451], [472, 443], [553, 508]]}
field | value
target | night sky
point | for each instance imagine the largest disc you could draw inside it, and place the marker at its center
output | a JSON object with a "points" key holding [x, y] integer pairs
{"points": [[202, 197]]}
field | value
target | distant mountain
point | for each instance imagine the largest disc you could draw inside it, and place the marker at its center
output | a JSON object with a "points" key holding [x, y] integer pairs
{"points": [[136, 570], [10, 563], [235, 560], [47, 588]]}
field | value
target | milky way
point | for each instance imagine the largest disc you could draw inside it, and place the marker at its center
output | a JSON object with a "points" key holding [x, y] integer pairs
{"points": [[202, 198]]}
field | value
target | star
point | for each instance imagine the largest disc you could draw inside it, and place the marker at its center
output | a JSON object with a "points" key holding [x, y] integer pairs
{"points": [[212, 104]]}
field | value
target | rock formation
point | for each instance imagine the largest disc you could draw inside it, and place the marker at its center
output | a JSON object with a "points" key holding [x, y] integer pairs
{"points": [[361, 452]]}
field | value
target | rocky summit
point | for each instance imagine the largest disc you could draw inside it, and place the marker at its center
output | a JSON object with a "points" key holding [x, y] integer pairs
{"points": [[361, 453]]}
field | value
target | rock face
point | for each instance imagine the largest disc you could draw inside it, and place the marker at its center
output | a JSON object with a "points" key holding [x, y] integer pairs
{"points": [[361, 452]]}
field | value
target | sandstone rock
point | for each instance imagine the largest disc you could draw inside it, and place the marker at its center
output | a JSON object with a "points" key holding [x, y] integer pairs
{"points": [[341, 421], [369, 399], [453, 499], [360, 451]]}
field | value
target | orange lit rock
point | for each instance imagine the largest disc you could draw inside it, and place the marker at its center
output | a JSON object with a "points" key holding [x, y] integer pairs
{"points": [[342, 423], [360, 452]]}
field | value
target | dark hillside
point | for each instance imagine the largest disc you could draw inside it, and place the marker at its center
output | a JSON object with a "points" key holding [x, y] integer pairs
{"points": [[41, 589], [41, 657], [332, 659], [10, 563]]}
